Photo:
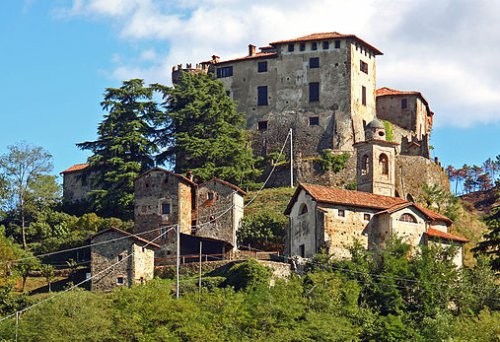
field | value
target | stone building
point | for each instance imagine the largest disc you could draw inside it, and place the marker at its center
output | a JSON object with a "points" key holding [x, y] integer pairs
{"points": [[131, 255], [325, 217], [323, 87], [330, 218], [76, 184], [163, 199]]}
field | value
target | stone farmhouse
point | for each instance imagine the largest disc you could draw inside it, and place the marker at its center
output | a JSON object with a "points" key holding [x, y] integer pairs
{"points": [[211, 212], [137, 268], [323, 86], [333, 219]]}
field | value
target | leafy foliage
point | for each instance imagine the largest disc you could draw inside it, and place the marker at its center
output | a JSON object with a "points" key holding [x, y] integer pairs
{"points": [[124, 147], [389, 130], [490, 246], [332, 162], [204, 132], [265, 230], [248, 274]]}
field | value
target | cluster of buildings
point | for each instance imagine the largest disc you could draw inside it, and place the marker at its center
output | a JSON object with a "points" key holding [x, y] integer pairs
{"points": [[323, 87]]}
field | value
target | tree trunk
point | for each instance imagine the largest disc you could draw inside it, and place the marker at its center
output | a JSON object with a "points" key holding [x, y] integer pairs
{"points": [[24, 283], [48, 282], [23, 228]]}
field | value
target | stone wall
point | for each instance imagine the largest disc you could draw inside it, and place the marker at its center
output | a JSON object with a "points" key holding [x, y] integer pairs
{"points": [[216, 211], [77, 185], [303, 238], [105, 255], [153, 189]]}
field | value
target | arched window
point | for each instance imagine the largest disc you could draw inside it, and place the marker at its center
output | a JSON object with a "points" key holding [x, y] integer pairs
{"points": [[408, 218], [384, 164], [365, 165], [303, 209]]}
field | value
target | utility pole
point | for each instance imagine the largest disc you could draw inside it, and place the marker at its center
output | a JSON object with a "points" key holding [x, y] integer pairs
{"points": [[199, 273], [291, 157], [178, 260]]}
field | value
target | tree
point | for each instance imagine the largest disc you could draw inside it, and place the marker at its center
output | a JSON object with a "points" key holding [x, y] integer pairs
{"points": [[490, 246], [26, 266], [48, 272], [124, 147], [204, 133], [26, 169], [265, 230]]}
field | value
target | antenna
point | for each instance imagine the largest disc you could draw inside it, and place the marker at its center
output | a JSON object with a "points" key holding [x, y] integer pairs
{"points": [[291, 157]]}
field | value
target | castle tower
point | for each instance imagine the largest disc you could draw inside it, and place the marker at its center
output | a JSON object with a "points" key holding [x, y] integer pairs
{"points": [[375, 171]]}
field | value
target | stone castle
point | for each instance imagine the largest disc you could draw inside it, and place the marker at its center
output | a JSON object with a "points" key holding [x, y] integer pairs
{"points": [[323, 87]]}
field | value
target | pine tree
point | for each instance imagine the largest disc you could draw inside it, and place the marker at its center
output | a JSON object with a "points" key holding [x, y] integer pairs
{"points": [[205, 133], [124, 148], [490, 246]]}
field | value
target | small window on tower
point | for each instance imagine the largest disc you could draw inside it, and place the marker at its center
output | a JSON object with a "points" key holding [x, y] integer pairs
{"points": [[341, 213], [366, 217], [363, 66], [262, 96], [326, 45], [383, 164], [314, 62], [120, 280], [404, 103], [363, 95], [210, 195], [314, 121], [262, 66], [337, 44], [228, 92], [314, 46], [302, 46], [314, 92], [165, 208], [291, 47], [262, 125]]}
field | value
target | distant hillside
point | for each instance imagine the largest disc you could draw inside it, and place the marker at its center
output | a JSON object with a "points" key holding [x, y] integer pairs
{"points": [[480, 202], [274, 199]]}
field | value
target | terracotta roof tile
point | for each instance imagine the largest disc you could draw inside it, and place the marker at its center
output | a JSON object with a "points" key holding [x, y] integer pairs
{"points": [[388, 204], [439, 234], [75, 168], [327, 35]]}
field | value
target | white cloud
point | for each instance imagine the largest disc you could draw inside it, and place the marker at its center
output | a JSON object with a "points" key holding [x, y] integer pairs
{"points": [[447, 49]]}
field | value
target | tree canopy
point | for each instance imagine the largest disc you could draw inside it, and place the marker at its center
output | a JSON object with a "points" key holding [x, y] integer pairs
{"points": [[124, 147], [204, 132]]}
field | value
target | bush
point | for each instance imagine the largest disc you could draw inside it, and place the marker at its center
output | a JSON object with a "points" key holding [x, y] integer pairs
{"points": [[248, 274], [332, 162], [389, 130], [211, 283], [263, 230]]}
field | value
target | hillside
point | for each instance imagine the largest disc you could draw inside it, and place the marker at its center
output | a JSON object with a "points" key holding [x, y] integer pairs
{"points": [[480, 202], [274, 199]]}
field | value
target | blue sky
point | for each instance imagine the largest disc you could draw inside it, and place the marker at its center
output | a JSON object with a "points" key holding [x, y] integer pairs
{"points": [[57, 57]]}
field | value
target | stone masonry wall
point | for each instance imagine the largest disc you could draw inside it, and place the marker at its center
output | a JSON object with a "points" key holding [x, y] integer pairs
{"points": [[105, 255]]}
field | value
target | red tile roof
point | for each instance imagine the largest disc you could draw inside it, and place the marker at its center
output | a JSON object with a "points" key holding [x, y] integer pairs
{"points": [[385, 91], [75, 168], [328, 35], [442, 235], [223, 182], [135, 237], [388, 204], [256, 56], [324, 194]]}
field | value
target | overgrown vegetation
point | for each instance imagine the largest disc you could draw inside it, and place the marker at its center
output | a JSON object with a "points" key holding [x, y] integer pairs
{"points": [[389, 130], [329, 161], [265, 230], [385, 296]]}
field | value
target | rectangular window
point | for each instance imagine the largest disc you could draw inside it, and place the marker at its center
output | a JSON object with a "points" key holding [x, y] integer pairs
{"points": [[314, 92], [302, 47], [314, 46], [337, 44], [165, 208], [314, 62], [210, 195], [341, 213], [363, 95], [363, 66], [314, 121], [302, 251], [120, 257], [262, 125], [225, 72], [326, 45], [291, 47], [120, 280], [366, 217], [163, 232], [228, 92], [262, 96], [262, 66], [404, 103]]}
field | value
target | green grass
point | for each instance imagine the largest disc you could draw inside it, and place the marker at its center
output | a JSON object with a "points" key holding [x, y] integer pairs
{"points": [[275, 199]]}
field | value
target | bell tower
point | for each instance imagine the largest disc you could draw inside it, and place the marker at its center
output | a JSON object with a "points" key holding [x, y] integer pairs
{"points": [[375, 171]]}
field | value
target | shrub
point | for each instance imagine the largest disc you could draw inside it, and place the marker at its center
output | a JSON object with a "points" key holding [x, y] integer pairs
{"points": [[389, 130], [332, 162], [248, 274]]}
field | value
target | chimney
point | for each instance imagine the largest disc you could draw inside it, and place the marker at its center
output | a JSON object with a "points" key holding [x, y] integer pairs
{"points": [[251, 50], [215, 59]]}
